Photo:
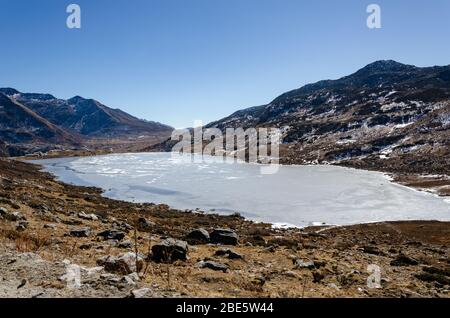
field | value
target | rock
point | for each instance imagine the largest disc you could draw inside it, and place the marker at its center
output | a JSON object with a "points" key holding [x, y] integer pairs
{"points": [[224, 236], [12, 216], [434, 274], [80, 232], [85, 246], [22, 283], [111, 278], [123, 264], [127, 280], [213, 265], [85, 216], [228, 253], [403, 260], [21, 226], [125, 244], [112, 235], [130, 279], [170, 250], [3, 212], [260, 281], [122, 226], [291, 274], [318, 276], [299, 264], [50, 226], [140, 293], [372, 250], [198, 236], [145, 225]]}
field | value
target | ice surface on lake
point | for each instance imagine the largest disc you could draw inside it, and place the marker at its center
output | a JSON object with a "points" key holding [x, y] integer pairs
{"points": [[295, 195]]}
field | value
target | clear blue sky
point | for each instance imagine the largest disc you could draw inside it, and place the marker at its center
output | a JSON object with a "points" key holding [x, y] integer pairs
{"points": [[175, 61]]}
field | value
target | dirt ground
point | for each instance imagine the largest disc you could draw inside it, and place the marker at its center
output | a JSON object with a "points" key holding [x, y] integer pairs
{"points": [[36, 248]]}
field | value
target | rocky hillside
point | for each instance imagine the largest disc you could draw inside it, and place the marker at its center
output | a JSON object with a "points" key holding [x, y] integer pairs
{"points": [[387, 116], [28, 119]]}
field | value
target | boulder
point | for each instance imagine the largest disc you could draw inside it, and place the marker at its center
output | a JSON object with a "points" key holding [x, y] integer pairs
{"points": [[123, 264], [145, 225], [125, 244], [170, 250], [216, 266], [403, 260], [304, 264], [21, 226], [85, 216], [198, 236], [112, 235], [224, 236], [141, 293], [3, 212], [80, 232]]}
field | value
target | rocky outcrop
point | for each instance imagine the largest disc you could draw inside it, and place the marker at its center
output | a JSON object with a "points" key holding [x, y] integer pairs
{"points": [[224, 236], [198, 236], [170, 250]]}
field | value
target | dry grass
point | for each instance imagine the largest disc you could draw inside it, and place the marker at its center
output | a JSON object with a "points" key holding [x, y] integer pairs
{"points": [[26, 241]]}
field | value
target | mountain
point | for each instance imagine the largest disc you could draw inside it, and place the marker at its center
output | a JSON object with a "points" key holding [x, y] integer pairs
{"points": [[31, 119], [87, 117], [387, 115], [20, 125]]}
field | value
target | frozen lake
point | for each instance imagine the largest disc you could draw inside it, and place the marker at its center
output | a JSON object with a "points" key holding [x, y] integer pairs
{"points": [[295, 195]]}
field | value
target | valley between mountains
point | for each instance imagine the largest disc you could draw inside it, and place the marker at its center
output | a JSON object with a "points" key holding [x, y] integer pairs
{"points": [[387, 116]]}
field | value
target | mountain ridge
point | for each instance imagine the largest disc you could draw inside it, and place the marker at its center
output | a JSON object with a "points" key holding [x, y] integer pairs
{"points": [[386, 115], [73, 122]]}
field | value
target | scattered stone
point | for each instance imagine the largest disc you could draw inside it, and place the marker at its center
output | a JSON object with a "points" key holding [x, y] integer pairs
{"points": [[127, 280], [125, 244], [110, 278], [372, 250], [85, 246], [50, 226], [403, 260], [12, 216], [21, 226], [224, 236], [170, 250], [198, 236], [73, 222], [213, 265], [318, 276], [3, 212], [91, 217], [299, 264], [122, 226], [112, 235], [80, 232], [22, 283], [140, 293], [145, 225], [260, 281], [228, 253], [123, 264], [291, 274]]}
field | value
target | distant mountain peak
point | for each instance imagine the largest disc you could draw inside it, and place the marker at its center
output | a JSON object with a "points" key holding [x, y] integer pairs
{"points": [[9, 91], [386, 66], [76, 99]]}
